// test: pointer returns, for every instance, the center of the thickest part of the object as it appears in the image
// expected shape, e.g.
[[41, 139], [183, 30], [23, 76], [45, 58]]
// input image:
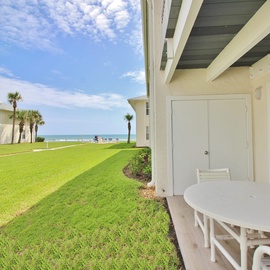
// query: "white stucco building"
[[6, 111], [208, 80], [141, 106], [5, 123]]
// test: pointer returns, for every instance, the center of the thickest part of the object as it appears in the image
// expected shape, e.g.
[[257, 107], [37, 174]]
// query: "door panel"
[[228, 136], [218, 126], [190, 141]]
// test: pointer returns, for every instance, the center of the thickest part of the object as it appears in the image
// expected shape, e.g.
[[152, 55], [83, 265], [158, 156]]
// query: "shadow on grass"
[[96, 221], [86, 202]]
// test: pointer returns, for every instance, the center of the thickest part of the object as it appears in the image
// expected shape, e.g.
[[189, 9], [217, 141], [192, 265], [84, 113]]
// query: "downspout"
[[151, 184], [147, 67], [152, 145]]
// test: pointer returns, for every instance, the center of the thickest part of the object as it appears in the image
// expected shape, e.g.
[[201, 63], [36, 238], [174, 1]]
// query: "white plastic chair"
[[259, 262], [213, 175], [206, 176]]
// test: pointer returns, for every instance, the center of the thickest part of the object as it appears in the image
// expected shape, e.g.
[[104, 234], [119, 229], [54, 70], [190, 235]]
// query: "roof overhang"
[[214, 34], [5, 107], [133, 101]]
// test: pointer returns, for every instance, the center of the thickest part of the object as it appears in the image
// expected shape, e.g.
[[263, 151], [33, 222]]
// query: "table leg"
[[206, 231], [243, 248], [195, 218], [212, 236]]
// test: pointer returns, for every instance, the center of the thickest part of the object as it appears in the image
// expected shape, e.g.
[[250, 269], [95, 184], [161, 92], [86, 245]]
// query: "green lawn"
[[73, 208], [29, 147]]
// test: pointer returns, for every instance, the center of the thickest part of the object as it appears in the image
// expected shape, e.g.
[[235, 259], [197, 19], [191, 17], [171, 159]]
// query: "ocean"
[[89, 138]]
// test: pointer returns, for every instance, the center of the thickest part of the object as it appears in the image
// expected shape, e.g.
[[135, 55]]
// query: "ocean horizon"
[[89, 137]]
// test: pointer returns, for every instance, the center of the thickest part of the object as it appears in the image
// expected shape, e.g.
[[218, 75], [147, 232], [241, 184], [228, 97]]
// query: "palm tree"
[[31, 118], [38, 122], [128, 117], [12, 99], [21, 116]]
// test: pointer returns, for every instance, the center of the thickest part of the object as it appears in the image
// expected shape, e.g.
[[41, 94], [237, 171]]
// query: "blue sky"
[[75, 61]]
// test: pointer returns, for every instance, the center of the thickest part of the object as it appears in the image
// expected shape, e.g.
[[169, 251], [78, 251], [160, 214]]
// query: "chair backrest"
[[260, 263], [213, 175]]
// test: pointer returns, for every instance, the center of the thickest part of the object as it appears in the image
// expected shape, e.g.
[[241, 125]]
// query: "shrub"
[[140, 164], [40, 139]]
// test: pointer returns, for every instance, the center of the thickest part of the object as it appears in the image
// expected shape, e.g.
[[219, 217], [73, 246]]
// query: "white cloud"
[[138, 76], [37, 24], [38, 94], [135, 40], [6, 71], [118, 9], [135, 34], [22, 23], [135, 5]]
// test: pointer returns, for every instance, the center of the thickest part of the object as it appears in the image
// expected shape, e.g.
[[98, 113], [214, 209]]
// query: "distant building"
[[141, 107], [6, 111]]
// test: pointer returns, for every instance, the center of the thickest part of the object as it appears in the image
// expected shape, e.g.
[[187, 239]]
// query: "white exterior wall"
[[261, 128], [185, 83], [6, 129], [142, 121], [188, 83], [193, 82]]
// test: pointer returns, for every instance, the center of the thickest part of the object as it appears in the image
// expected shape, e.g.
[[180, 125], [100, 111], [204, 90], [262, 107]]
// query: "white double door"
[[209, 133]]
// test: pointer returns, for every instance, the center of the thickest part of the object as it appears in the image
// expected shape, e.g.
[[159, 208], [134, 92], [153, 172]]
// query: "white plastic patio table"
[[241, 203]]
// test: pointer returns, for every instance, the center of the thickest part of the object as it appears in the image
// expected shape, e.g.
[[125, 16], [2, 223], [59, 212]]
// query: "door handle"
[[206, 152]]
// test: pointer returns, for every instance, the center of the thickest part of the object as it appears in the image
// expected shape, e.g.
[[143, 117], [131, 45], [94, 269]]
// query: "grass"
[[8, 149], [73, 208]]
